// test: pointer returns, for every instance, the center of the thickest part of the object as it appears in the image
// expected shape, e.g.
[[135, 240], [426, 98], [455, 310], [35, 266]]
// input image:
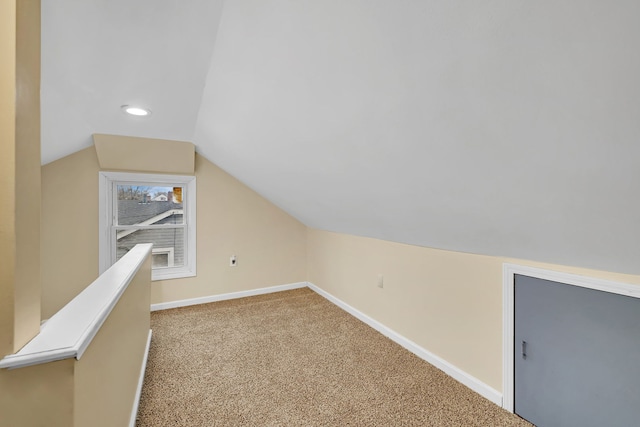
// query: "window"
[[145, 208], [162, 257]]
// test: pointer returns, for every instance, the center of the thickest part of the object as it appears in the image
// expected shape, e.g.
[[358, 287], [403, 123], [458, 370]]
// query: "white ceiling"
[[100, 54], [498, 127]]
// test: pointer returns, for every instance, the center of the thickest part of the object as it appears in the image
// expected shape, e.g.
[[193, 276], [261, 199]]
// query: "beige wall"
[[106, 376], [19, 173], [598, 274], [7, 172], [40, 395], [97, 390], [449, 303], [118, 152], [232, 220], [69, 244], [270, 245]]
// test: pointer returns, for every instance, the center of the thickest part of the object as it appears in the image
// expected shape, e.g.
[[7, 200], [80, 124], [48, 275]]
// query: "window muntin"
[[144, 208], [162, 257], [167, 238]]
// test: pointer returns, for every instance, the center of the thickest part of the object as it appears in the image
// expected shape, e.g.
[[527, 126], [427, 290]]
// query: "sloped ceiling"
[[98, 55], [496, 127]]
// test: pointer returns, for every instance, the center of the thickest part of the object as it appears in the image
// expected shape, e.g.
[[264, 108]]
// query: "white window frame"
[[107, 194], [169, 252]]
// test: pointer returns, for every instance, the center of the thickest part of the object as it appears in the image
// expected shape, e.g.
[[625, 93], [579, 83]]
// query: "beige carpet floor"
[[294, 359]]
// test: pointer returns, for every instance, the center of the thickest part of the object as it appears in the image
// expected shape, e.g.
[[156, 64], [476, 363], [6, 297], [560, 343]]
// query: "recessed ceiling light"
[[135, 111]]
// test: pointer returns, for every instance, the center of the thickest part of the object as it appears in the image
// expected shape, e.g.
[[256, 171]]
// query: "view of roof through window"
[[155, 208], [143, 204]]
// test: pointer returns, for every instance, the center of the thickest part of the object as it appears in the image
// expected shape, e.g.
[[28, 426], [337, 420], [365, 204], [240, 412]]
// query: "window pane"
[[168, 245], [160, 260], [149, 205]]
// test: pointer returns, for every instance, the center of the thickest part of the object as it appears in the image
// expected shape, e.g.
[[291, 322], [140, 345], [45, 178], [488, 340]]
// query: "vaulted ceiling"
[[496, 127]]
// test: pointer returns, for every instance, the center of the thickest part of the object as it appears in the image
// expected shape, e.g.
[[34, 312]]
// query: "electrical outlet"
[[233, 261], [380, 281]]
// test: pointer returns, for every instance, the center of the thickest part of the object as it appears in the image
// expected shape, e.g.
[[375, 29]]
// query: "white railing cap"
[[69, 332]]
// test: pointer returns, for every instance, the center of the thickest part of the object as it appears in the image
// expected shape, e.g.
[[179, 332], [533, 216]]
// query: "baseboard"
[[223, 297], [136, 402], [468, 380]]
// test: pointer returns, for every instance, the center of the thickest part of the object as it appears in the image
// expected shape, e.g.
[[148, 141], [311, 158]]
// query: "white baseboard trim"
[[223, 297], [136, 402], [468, 380]]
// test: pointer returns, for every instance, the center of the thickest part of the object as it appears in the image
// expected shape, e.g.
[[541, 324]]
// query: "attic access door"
[[576, 355]]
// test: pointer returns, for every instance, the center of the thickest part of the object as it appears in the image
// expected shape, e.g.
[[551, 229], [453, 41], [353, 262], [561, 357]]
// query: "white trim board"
[[163, 215], [453, 371], [143, 368], [508, 315], [224, 297]]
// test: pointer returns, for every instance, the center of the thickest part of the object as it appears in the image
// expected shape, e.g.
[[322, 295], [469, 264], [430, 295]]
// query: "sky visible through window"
[[139, 192], [147, 193]]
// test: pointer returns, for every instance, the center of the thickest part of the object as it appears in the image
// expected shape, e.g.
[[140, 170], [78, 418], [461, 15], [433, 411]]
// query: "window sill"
[[157, 276]]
